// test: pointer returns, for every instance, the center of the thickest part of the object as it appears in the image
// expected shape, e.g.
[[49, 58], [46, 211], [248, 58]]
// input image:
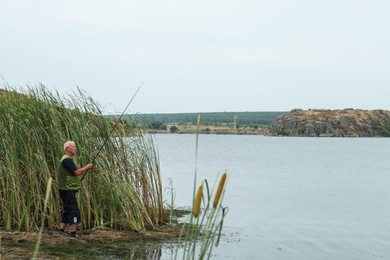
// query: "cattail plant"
[[124, 189], [219, 190], [203, 228], [198, 199]]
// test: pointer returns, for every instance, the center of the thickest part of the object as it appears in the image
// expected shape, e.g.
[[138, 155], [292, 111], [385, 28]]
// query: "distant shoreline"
[[212, 130]]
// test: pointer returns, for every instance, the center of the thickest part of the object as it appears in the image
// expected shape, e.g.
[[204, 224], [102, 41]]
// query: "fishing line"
[[113, 128]]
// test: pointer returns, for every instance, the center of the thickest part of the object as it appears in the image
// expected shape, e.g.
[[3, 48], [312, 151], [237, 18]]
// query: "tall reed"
[[202, 228], [123, 190], [37, 244]]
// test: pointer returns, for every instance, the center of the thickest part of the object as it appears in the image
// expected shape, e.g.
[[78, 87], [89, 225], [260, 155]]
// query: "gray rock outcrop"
[[332, 123]]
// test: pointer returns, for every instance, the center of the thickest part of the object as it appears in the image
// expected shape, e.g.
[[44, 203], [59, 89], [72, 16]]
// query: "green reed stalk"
[[124, 189], [47, 197], [203, 227], [172, 197]]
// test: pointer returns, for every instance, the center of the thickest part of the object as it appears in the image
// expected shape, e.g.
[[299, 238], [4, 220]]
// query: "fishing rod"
[[112, 130]]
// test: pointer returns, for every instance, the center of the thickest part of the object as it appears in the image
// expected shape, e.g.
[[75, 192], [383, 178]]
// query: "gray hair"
[[67, 144]]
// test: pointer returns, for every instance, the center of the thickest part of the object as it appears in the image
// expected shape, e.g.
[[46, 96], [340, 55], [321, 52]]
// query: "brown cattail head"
[[198, 200], [219, 190]]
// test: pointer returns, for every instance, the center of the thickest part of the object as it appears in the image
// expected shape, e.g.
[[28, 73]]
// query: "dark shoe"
[[73, 234]]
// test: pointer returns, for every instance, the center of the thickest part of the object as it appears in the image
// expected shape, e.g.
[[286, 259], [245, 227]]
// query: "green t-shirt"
[[66, 179]]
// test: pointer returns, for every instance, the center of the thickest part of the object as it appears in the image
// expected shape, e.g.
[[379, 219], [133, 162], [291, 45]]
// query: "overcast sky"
[[202, 56]]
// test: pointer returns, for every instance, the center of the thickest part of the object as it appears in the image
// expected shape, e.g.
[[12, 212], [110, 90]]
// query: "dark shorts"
[[71, 212]]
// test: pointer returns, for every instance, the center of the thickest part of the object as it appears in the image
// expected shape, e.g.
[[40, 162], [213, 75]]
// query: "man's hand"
[[89, 166], [83, 170]]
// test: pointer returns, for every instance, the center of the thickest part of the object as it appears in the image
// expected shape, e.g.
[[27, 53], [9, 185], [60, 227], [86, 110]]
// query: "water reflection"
[[133, 250]]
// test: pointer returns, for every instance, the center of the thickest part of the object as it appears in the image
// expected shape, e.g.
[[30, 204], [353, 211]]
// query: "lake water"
[[289, 198]]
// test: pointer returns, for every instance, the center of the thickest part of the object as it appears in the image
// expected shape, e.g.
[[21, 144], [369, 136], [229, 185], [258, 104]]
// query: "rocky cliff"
[[333, 123]]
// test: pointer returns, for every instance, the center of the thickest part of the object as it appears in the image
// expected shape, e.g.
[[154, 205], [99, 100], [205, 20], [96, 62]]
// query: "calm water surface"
[[289, 198]]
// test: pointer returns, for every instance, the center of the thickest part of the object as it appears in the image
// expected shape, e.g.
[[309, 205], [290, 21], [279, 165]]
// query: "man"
[[69, 182]]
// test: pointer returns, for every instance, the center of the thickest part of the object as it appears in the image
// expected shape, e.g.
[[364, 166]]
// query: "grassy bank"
[[122, 193]]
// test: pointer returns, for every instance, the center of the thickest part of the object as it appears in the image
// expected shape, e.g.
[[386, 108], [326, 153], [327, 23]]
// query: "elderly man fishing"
[[69, 182]]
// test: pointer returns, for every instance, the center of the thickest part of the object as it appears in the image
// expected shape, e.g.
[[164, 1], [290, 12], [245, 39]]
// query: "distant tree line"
[[160, 121]]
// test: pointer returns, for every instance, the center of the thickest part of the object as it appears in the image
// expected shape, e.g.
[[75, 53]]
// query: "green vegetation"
[[382, 130], [249, 119], [203, 229], [173, 129], [203, 226], [283, 132], [47, 196], [123, 191]]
